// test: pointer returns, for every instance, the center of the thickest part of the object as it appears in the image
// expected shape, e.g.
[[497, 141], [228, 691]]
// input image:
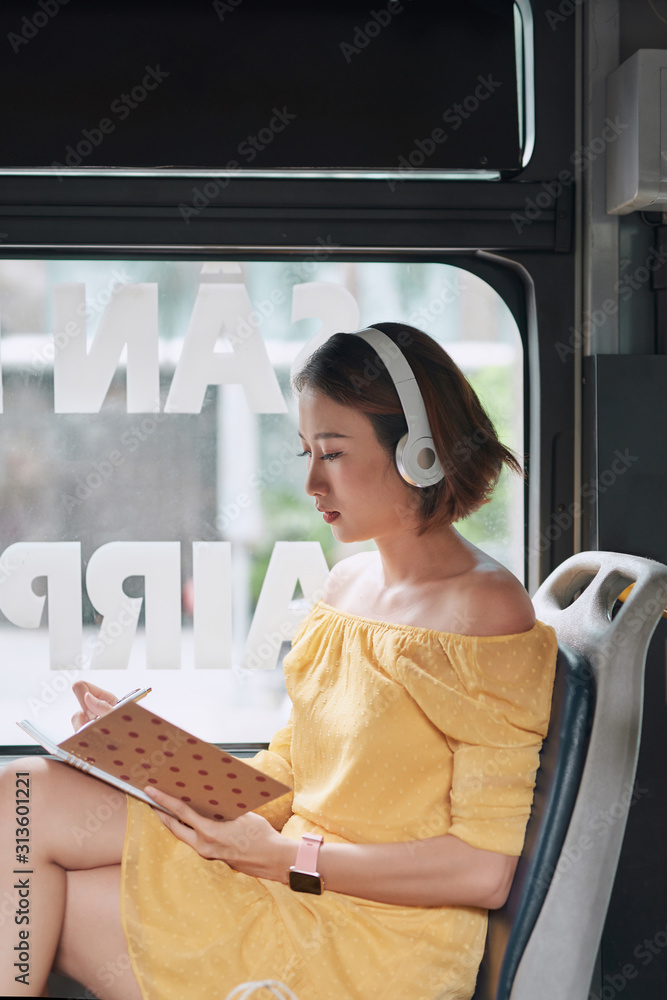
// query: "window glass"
[[154, 529]]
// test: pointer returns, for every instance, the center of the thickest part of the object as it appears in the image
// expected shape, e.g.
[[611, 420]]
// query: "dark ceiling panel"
[[259, 84]]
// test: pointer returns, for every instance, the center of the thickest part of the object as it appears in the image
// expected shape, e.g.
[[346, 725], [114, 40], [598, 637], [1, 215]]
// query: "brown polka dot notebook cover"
[[132, 747]]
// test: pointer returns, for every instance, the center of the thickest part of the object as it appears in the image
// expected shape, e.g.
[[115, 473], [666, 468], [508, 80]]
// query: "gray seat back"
[[561, 765], [578, 600]]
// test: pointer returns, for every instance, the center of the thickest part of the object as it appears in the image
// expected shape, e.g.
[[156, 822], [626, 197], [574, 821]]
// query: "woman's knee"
[[34, 780], [19, 777], [35, 785], [78, 821]]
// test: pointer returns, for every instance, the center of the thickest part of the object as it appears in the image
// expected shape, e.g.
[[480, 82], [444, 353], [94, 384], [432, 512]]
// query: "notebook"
[[132, 748]]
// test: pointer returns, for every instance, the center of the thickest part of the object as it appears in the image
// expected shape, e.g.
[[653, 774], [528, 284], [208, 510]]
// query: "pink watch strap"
[[307, 854]]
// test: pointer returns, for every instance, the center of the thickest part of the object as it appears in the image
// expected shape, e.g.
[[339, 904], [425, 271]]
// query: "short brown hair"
[[346, 369]]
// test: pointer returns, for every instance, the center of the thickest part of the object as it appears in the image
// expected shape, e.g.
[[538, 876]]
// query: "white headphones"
[[416, 458]]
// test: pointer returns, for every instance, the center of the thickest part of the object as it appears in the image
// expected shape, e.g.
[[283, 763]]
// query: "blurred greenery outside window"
[[114, 476]]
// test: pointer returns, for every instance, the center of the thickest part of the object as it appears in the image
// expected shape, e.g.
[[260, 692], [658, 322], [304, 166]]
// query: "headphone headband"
[[416, 456]]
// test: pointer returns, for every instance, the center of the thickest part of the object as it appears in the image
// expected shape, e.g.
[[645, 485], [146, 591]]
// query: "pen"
[[135, 695]]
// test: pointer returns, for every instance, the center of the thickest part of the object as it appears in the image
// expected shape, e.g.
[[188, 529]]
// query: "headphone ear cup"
[[409, 468], [400, 447]]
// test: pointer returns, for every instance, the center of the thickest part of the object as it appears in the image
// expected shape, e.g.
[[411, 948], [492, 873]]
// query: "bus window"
[[154, 529]]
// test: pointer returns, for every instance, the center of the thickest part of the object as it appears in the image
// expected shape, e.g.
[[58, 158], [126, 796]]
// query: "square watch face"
[[305, 882]]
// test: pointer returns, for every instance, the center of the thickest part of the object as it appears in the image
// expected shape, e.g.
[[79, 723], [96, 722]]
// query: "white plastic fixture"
[[637, 147]]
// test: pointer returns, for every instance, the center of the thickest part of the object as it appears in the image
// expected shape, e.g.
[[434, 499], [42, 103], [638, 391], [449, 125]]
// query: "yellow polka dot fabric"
[[397, 733]]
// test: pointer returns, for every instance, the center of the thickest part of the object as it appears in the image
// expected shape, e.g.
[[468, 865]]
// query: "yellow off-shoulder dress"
[[398, 733]]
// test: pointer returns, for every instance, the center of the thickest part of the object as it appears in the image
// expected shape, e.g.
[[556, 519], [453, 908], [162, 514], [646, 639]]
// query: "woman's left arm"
[[438, 871]]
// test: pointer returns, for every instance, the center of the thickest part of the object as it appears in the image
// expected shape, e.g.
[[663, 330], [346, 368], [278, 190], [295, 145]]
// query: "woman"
[[421, 687]]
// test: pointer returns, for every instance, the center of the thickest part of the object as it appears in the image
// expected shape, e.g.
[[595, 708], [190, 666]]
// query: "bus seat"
[[544, 941]]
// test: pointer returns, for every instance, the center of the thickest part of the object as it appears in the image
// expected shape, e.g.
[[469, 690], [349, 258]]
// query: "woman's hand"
[[249, 844], [94, 701]]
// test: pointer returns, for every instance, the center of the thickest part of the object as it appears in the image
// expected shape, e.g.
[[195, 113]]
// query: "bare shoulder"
[[344, 574], [483, 598], [491, 601]]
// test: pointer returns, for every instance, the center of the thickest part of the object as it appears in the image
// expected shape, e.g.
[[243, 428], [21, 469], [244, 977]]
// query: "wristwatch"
[[303, 875]]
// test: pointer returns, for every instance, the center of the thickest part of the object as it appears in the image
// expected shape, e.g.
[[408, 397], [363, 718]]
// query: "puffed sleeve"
[[277, 760], [491, 697], [277, 763], [491, 796]]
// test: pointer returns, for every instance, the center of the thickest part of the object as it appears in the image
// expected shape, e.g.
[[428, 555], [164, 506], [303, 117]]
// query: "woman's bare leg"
[[102, 964], [76, 823]]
